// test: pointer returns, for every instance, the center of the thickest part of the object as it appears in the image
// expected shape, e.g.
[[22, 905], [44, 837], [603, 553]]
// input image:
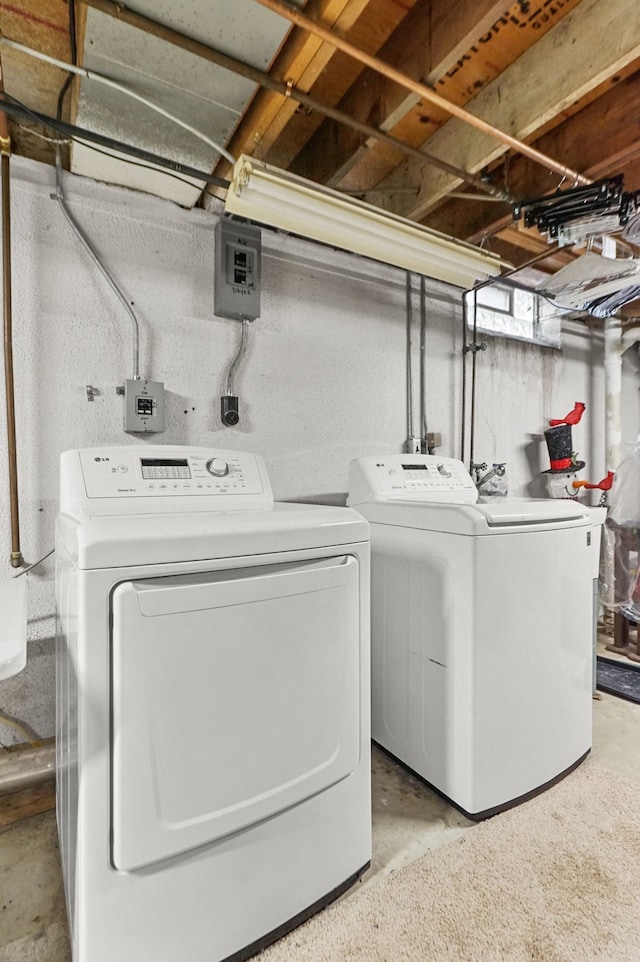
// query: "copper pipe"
[[306, 23], [5, 148], [119, 12]]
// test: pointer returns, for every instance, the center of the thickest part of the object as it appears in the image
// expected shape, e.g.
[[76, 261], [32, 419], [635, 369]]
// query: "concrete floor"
[[408, 821]]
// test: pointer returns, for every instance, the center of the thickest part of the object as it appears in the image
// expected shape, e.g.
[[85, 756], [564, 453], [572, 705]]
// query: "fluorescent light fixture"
[[265, 194]]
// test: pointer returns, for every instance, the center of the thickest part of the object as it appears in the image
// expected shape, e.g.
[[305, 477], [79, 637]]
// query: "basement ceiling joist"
[[558, 74], [458, 56], [558, 70]]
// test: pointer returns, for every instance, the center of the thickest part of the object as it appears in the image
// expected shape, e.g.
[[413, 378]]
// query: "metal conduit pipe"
[[463, 403], [27, 767], [59, 196], [409, 316], [474, 354], [236, 360], [119, 12], [306, 23], [5, 148], [424, 429]]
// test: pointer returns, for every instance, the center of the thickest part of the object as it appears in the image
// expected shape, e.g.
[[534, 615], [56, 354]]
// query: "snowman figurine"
[[562, 474]]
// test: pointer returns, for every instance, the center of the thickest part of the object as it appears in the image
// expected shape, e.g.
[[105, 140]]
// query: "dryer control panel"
[[161, 478], [410, 477]]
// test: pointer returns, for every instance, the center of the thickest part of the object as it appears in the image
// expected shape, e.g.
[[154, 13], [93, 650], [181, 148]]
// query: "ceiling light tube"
[[270, 196]]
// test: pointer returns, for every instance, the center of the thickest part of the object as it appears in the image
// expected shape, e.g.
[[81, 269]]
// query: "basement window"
[[507, 311]]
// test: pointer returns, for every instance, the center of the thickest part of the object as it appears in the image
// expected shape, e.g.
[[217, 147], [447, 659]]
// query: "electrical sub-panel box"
[[236, 291], [143, 406]]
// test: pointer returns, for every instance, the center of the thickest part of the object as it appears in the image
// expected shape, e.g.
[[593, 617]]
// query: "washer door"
[[235, 695]]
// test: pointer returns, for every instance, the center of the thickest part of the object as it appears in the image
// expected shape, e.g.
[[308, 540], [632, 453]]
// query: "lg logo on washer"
[[101, 459]]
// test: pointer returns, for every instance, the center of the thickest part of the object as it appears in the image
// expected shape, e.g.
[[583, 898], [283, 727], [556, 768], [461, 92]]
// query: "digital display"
[[165, 469], [414, 467]]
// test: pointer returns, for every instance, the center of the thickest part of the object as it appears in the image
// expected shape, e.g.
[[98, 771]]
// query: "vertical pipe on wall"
[[616, 343], [474, 353], [5, 149], [60, 198], [237, 358], [424, 427], [613, 392], [463, 405], [409, 312]]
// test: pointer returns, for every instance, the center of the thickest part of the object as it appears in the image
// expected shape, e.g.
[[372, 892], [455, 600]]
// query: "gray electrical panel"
[[236, 291], [143, 406]]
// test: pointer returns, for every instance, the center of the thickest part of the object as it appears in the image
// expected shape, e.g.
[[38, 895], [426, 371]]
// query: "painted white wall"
[[323, 379]]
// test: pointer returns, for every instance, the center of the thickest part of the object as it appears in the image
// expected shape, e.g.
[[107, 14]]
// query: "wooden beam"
[[515, 30], [562, 67], [603, 137], [425, 46], [369, 32], [30, 801], [42, 24], [301, 60], [489, 55]]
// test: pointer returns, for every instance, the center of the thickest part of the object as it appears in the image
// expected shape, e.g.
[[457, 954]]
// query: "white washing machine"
[[213, 704], [481, 630]]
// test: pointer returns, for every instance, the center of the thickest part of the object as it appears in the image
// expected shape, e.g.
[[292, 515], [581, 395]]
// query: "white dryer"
[[213, 704], [481, 630]]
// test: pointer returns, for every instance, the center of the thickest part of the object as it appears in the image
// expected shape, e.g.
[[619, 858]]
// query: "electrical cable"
[[105, 153], [135, 163], [74, 57], [15, 108], [59, 196], [236, 360], [114, 85], [34, 565]]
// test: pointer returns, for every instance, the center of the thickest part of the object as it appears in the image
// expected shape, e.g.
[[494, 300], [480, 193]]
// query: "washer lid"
[[505, 516], [122, 541]]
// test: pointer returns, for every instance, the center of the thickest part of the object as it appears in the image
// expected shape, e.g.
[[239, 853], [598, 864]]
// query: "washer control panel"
[[142, 475], [410, 477]]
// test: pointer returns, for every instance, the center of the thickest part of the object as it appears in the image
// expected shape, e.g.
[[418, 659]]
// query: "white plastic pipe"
[[613, 392], [615, 344]]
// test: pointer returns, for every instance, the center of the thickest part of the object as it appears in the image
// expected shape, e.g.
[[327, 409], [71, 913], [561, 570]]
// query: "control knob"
[[217, 467]]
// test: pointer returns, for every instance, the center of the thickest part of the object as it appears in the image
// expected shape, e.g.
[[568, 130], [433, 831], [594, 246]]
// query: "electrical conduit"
[[238, 357], [59, 196]]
